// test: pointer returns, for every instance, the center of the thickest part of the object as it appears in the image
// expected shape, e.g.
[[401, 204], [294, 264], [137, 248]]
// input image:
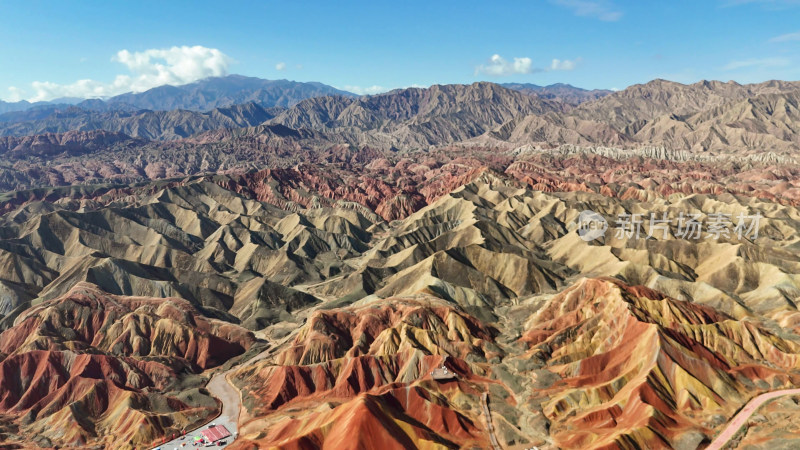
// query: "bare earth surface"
[[743, 415], [221, 389], [366, 242]]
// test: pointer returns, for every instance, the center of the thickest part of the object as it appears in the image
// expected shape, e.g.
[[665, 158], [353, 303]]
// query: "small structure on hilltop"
[[443, 373]]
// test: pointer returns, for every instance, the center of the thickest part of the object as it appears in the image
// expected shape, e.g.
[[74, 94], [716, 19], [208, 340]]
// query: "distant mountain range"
[[220, 92], [168, 112], [143, 123], [416, 117], [203, 95], [289, 257], [24, 105], [710, 117], [562, 92]]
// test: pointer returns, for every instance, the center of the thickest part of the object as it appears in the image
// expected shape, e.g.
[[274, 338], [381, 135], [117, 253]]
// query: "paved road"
[[742, 416], [221, 389], [489, 424]]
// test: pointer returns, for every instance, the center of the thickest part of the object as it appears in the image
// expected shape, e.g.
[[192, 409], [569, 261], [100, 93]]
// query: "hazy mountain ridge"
[[225, 91], [145, 124], [203, 95], [692, 117], [560, 92], [24, 105]]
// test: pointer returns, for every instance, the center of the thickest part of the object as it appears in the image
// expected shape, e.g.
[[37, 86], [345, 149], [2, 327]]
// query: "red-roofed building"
[[215, 433]]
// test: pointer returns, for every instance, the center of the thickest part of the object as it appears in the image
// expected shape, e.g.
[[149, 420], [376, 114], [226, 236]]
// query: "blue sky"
[[373, 46]]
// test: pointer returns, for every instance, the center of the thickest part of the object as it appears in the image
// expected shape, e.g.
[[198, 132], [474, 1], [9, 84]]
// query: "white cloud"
[[599, 9], [759, 63], [358, 90], [787, 37], [280, 66], [500, 67], [148, 69], [372, 90], [14, 95], [566, 64]]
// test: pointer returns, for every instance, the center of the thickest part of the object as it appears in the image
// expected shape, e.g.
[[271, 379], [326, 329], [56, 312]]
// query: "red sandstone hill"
[[305, 184], [358, 310], [92, 368], [368, 369], [89, 319], [639, 368], [602, 365]]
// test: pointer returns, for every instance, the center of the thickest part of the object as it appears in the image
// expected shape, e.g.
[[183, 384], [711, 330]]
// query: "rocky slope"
[[71, 143], [766, 122], [337, 258], [636, 367], [415, 117], [89, 368], [727, 121], [359, 308], [644, 102], [369, 367]]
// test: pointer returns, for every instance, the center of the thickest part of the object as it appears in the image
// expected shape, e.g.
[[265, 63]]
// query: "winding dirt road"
[[742, 416], [489, 425], [220, 388]]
